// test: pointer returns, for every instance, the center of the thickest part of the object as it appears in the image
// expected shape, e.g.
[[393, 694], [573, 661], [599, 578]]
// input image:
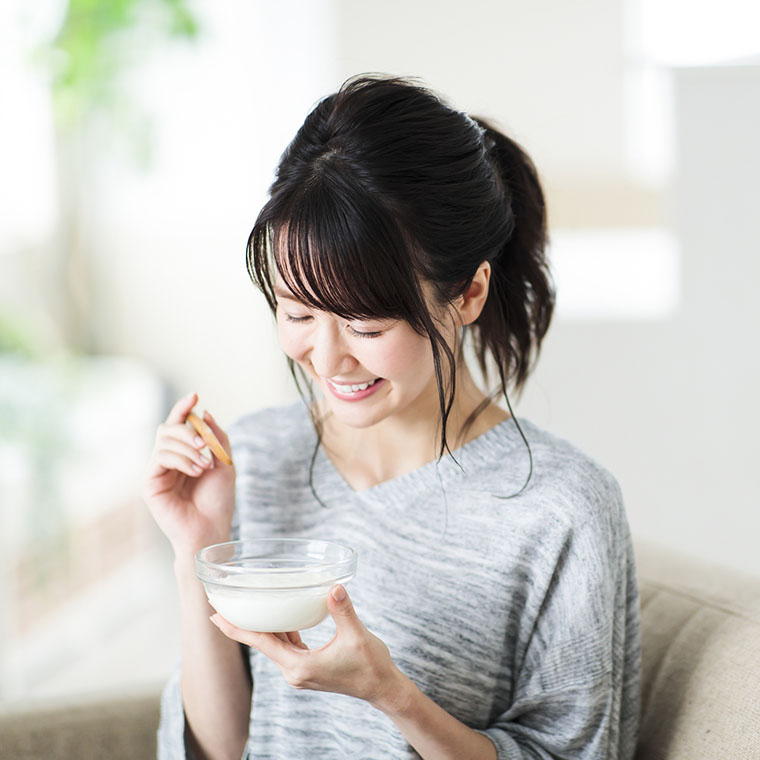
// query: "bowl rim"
[[345, 568]]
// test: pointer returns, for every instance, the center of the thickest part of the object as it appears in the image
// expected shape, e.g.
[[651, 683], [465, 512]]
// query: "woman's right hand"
[[191, 497]]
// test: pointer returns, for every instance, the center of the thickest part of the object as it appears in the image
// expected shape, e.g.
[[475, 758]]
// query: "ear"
[[471, 302]]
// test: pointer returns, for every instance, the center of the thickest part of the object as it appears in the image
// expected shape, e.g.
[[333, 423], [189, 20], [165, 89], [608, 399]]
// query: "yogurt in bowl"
[[273, 584]]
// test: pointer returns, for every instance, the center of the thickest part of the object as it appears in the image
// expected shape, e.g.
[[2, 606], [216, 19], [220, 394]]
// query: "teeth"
[[351, 388]]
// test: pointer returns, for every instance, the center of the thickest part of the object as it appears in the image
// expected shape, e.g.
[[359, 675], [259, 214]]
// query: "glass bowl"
[[273, 584]]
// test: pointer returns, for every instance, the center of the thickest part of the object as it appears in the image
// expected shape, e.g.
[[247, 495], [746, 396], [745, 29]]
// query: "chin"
[[357, 419]]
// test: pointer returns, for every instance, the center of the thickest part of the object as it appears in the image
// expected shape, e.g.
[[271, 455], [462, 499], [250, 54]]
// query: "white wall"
[[552, 72], [671, 407]]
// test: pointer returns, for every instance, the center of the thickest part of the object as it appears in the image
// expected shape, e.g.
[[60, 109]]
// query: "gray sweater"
[[517, 616]]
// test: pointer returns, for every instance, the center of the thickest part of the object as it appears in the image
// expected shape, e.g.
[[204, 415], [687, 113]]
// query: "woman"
[[494, 614]]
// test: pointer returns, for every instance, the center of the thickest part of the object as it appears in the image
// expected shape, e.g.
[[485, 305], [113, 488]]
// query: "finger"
[[294, 637], [178, 432], [165, 444], [342, 611], [277, 650], [171, 460], [180, 410], [190, 452]]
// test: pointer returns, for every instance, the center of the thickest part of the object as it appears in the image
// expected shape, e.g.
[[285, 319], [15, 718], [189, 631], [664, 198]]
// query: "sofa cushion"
[[701, 659]]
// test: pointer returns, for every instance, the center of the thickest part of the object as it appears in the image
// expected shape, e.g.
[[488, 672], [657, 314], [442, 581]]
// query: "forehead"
[[281, 290], [316, 274]]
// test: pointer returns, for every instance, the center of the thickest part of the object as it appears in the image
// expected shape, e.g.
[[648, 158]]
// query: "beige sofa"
[[701, 696], [701, 659]]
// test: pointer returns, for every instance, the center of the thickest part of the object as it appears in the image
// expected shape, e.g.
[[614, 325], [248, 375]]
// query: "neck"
[[403, 443]]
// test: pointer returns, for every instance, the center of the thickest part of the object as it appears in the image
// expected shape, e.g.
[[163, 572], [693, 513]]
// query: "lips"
[[352, 387], [354, 391]]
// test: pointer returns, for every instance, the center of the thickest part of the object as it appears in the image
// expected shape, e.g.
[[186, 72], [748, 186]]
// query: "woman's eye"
[[294, 318], [364, 333]]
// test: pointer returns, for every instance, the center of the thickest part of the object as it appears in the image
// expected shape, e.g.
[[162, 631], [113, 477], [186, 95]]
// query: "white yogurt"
[[271, 602]]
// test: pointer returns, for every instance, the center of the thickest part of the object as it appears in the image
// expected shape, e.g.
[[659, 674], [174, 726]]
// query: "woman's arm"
[[434, 733], [192, 499], [215, 682]]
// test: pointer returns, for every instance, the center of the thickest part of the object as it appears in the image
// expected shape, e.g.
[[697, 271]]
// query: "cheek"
[[292, 342], [409, 356]]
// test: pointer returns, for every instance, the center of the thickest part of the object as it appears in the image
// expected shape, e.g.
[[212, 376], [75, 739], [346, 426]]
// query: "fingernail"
[[339, 593], [198, 441], [213, 620], [205, 459]]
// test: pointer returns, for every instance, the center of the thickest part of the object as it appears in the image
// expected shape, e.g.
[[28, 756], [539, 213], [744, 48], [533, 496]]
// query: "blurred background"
[[137, 143]]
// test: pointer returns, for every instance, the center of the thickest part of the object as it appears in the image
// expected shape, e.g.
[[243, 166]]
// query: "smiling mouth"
[[354, 387]]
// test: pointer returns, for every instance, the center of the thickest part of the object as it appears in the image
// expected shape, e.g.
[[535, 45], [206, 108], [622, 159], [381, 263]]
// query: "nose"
[[329, 355]]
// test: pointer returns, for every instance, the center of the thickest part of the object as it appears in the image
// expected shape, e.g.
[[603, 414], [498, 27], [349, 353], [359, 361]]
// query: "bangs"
[[338, 250]]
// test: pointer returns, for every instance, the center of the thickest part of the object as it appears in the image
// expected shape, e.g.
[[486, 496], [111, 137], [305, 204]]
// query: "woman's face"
[[367, 370]]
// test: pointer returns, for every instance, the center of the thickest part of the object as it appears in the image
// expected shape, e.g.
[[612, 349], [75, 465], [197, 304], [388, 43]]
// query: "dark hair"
[[385, 187]]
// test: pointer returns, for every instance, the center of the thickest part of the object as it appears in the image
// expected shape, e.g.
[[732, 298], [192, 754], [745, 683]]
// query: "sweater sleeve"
[[171, 727], [580, 663]]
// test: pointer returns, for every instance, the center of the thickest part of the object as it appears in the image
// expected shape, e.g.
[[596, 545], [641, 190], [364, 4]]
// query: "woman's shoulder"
[[555, 459], [579, 492], [566, 482], [563, 462]]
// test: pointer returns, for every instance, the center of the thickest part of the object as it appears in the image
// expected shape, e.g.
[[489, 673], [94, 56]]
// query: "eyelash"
[[358, 334], [354, 332]]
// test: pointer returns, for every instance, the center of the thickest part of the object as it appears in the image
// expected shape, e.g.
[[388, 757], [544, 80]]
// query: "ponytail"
[[520, 303]]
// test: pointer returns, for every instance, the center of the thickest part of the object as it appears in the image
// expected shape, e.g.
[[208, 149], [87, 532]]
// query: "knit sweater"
[[518, 616]]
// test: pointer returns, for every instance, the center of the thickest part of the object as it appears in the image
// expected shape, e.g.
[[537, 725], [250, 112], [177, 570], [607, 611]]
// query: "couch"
[[701, 678], [701, 659]]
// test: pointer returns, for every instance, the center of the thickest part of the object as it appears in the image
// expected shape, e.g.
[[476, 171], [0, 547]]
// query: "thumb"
[[342, 611]]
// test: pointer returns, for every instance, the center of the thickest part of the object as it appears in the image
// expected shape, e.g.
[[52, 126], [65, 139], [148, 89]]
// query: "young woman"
[[494, 613]]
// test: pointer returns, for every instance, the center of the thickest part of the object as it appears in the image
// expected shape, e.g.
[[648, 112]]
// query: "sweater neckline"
[[489, 448]]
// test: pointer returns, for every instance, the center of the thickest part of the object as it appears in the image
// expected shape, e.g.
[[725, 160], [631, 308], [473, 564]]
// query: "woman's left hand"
[[354, 662]]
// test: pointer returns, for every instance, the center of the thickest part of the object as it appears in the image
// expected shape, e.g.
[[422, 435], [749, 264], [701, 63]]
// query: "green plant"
[[99, 44], [18, 336], [101, 39]]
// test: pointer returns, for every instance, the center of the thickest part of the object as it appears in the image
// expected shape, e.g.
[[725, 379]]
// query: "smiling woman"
[[495, 610]]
